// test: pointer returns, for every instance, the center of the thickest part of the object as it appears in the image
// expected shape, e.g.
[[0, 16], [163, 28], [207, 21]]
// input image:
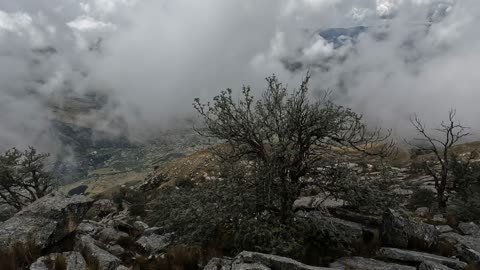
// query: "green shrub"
[[422, 197]]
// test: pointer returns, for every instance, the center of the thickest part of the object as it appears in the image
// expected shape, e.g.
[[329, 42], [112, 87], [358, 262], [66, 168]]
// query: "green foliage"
[[24, 177], [466, 198], [135, 198], [422, 197], [283, 135]]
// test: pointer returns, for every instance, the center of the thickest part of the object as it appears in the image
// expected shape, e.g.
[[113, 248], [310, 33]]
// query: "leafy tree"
[[285, 138], [440, 143], [23, 177]]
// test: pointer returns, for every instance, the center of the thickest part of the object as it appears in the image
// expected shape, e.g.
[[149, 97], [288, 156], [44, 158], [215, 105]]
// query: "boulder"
[[155, 243], [44, 222], [89, 227], [469, 228], [250, 266], [140, 226], [343, 231], [116, 250], [428, 265], [261, 261], [121, 267], [73, 260], [219, 264], [360, 263], [467, 247], [422, 211], [443, 228], [366, 220], [110, 235], [152, 230], [101, 208], [105, 260], [409, 256], [402, 232]]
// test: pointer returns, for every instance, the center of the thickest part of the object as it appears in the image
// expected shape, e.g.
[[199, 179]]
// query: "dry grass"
[[19, 256]]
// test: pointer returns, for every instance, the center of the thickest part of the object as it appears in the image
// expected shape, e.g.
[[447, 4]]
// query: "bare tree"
[[23, 177], [285, 135], [439, 142]]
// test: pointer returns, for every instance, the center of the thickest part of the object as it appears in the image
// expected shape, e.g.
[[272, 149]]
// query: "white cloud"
[[86, 24]]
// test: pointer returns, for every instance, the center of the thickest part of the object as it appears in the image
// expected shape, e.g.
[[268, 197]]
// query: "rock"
[[409, 256], [121, 267], [44, 222], [110, 235], [469, 228], [261, 261], [105, 260], [155, 243], [139, 225], [464, 245], [152, 230], [219, 264], [346, 232], [471, 256], [422, 211], [73, 260], [428, 265], [116, 250], [316, 202], [250, 266], [439, 219], [89, 227], [360, 263], [443, 228], [366, 220], [401, 232], [101, 208]]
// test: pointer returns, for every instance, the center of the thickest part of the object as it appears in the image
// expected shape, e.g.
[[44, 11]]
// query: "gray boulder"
[[105, 260], [409, 256], [139, 225], [110, 235], [469, 228], [44, 222], [267, 261], [155, 243], [219, 264], [401, 232], [89, 227], [428, 265], [101, 208], [443, 228], [467, 247], [360, 263], [74, 261], [346, 232]]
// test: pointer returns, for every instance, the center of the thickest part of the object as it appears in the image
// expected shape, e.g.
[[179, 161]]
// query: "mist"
[[152, 58]]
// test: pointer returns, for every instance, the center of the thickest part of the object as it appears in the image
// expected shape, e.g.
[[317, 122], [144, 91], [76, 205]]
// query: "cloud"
[[154, 57]]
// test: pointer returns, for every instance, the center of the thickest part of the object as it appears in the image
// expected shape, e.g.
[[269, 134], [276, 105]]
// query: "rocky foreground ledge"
[[115, 242]]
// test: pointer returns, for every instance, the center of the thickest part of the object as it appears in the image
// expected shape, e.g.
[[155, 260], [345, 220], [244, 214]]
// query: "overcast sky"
[[155, 56]]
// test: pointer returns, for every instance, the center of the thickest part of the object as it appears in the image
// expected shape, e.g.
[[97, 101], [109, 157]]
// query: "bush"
[[422, 197], [466, 198]]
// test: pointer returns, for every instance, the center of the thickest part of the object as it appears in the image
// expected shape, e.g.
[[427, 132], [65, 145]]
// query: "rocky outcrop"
[[409, 256], [105, 260], [44, 222], [467, 247], [155, 243], [402, 232], [360, 263], [219, 264], [469, 228], [343, 231], [427, 265], [73, 261], [254, 260]]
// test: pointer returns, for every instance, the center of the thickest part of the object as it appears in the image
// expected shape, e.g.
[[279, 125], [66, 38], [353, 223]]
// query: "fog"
[[153, 58]]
